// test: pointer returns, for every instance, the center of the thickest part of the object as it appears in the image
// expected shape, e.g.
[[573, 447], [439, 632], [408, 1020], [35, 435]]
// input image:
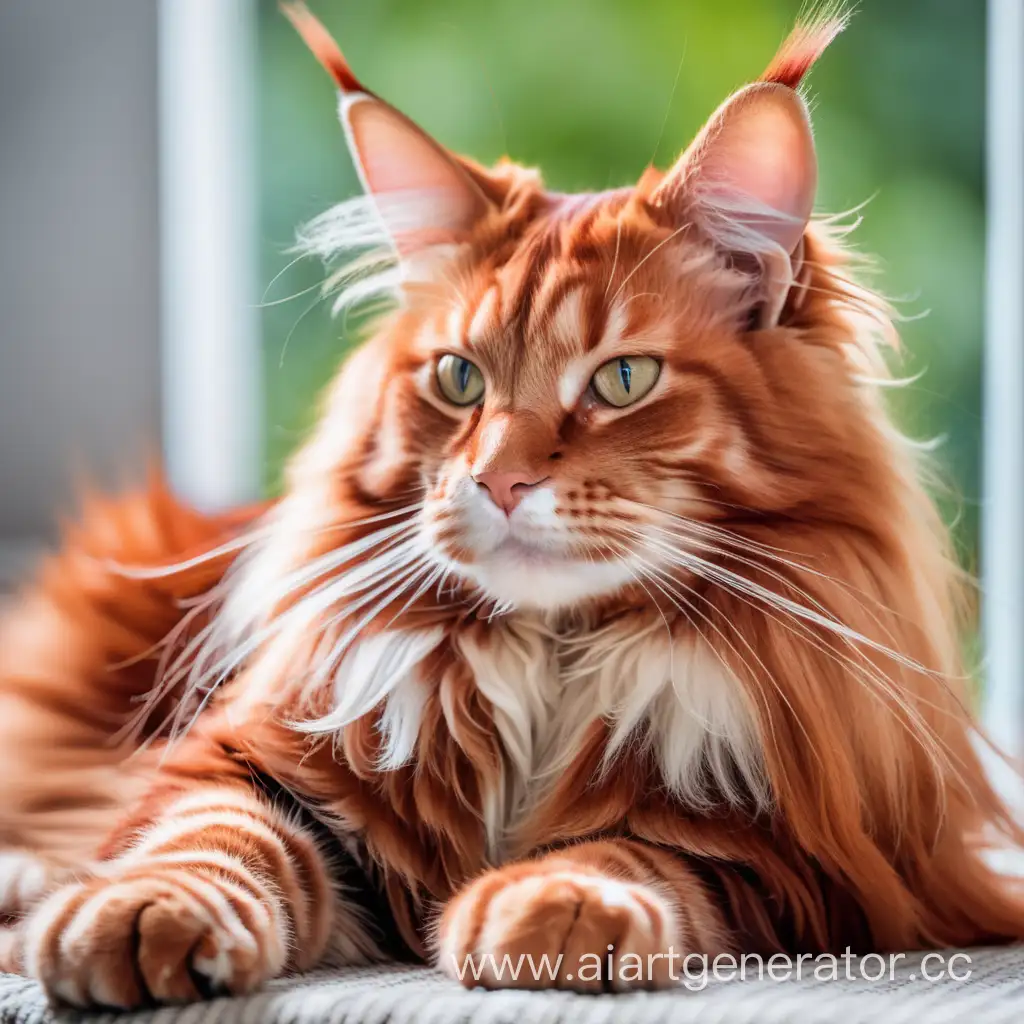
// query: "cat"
[[604, 610]]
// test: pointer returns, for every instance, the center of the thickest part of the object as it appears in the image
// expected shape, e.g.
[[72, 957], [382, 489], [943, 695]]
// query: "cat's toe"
[[559, 929], [132, 942]]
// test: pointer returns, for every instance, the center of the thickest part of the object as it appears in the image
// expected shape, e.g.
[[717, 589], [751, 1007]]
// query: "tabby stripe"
[[636, 869], [488, 891], [227, 832], [100, 970], [315, 881], [258, 921], [251, 834], [259, 909], [43, 937], [215, 798], [643, 867]]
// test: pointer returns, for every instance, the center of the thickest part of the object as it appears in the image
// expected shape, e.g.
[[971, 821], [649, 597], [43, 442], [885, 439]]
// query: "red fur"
[[850, 810], [324, 48], [804, 45], [78, 648]]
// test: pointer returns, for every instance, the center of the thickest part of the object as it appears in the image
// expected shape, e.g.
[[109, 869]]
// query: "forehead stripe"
[[455, 327], [484, 319]]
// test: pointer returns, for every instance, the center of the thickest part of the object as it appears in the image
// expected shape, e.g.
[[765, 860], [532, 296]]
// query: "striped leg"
[[220, 893], [611, 914]]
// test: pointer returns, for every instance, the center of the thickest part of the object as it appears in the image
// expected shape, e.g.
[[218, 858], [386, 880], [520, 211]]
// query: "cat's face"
[[569, 379], [567, 420], [561, 400]]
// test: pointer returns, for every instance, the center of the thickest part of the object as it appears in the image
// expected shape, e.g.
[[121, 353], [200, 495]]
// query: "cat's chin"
[[529, 577]]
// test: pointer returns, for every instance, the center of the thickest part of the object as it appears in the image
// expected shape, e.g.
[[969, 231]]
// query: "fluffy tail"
[[79, 648]]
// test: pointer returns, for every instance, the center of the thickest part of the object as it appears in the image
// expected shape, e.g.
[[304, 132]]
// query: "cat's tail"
[[79, 651]]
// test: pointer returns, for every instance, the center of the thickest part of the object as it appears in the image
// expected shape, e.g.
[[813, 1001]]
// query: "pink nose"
[[506, 490]]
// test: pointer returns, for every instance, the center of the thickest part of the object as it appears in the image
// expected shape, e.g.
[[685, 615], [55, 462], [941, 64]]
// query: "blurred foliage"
[[591, 91]]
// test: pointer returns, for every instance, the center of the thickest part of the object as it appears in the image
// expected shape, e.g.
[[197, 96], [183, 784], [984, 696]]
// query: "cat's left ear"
[[749, 178], [424, 196]]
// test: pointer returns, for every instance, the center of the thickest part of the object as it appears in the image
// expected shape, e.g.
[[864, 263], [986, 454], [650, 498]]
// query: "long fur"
[[722, 708]]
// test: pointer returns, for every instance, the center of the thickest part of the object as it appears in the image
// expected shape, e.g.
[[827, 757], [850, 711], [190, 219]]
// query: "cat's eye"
[[459, 380], [623, 381]]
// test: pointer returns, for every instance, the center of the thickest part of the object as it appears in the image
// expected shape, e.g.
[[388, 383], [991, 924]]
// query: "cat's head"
[[572, 384]]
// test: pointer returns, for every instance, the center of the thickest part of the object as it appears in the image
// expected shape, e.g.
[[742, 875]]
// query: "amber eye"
[[623, 381], [460, 381]]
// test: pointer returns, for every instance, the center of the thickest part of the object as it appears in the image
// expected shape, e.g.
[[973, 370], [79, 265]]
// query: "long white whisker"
[[735, 556], [332, 661], [321, 596], [714, 572], [687, 522], [217, 652], [865, 671], [140, 572], [746, 643], [224, 670], [405, 577], [688, 529], [244, 540]]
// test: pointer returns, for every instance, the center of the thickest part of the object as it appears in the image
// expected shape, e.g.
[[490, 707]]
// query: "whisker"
[[244, 540], [141, 572], [615, 258], [768, 675], [819, 614], [284, 270], [779, 578], [216, 653], [866, 671]]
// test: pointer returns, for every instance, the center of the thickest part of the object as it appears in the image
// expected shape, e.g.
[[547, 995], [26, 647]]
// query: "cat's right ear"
[[424, 196], [748, 180]]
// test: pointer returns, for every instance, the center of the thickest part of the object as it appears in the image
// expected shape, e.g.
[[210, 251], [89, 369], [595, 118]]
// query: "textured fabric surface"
[[391, 995]]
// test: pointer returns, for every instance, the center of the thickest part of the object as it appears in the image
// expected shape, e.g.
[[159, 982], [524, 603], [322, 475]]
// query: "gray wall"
[[79, 358]]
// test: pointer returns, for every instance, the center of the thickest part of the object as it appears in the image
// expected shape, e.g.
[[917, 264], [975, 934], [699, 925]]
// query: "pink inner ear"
[[393, 155], [754, 164], [767, 155]]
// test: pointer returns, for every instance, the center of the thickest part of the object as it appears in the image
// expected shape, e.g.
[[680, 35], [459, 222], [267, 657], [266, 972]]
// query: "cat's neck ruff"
[[547, 680]]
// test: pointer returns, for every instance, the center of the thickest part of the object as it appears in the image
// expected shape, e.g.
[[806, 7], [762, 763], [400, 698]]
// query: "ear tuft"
[[322, 44], [804, 45], [422, 193], [749, 178]]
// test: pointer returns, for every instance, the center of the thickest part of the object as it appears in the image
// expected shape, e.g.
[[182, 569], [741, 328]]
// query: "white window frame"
[[211, 357], [1002, 520]]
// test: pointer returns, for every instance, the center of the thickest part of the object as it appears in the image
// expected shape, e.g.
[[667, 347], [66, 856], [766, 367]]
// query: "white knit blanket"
[[994, 992]]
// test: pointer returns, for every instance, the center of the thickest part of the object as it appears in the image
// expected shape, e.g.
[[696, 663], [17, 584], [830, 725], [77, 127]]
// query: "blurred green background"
[[585, 90]]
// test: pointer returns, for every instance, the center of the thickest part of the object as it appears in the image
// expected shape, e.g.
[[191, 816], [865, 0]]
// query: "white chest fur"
[[547, 687]]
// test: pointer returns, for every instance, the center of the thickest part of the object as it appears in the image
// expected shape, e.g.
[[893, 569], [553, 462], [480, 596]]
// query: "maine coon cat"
[[604, 609]]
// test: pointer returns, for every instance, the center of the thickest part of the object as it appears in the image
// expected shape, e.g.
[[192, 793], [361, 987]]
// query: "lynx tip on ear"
[[805, 44], [322, 44]]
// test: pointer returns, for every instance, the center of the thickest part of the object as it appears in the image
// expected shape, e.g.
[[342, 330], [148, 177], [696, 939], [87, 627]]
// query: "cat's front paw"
[[543, 925], [159, 936]]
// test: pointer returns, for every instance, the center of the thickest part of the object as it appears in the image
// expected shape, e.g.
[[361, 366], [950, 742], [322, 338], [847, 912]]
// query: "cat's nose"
[[506, 490]]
